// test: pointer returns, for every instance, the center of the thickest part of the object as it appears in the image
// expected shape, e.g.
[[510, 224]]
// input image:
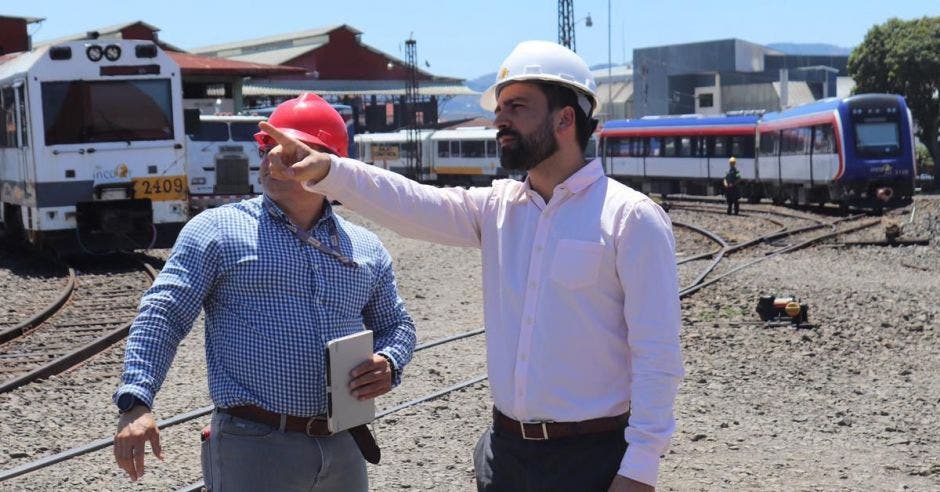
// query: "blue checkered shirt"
[[272, 303]]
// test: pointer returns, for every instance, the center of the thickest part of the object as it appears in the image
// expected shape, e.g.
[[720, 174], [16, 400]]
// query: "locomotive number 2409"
[[160, 188]]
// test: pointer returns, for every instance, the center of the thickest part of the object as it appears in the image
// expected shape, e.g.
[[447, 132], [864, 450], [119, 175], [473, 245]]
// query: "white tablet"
[[342, 355]]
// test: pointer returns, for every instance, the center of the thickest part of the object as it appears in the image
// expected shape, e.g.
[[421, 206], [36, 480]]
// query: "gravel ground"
[[847, 405]]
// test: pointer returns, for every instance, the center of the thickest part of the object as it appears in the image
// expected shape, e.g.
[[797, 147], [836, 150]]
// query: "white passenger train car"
[[92, 147]]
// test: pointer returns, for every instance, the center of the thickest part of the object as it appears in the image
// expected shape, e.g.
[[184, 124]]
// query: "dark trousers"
[[731, 195], [505, 462]]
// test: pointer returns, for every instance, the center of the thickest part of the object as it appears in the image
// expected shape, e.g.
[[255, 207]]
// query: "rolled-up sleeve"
[[646, 264]]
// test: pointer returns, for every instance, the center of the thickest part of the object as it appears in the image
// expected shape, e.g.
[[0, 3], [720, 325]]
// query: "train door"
[[825, 160], [19, 190], [720, 151]]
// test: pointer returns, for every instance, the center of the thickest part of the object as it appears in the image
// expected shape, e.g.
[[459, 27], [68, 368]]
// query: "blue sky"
[[468, 38]]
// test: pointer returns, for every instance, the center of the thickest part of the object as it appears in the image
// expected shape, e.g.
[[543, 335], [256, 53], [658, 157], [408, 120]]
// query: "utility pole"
[[411, 110], [566, 23]]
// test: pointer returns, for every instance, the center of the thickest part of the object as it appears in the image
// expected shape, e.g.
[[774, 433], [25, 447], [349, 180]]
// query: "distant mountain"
[[811, 49], [462, 107], [482, 82]]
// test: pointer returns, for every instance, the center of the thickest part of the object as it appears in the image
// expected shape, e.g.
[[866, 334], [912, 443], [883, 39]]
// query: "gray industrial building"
[[713, 77]]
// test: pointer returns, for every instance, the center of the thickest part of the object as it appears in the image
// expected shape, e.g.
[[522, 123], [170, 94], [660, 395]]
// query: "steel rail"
[[44, 314], [78, 355]]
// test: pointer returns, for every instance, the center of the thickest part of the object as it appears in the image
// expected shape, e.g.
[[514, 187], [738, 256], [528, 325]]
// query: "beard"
[[527, 151]]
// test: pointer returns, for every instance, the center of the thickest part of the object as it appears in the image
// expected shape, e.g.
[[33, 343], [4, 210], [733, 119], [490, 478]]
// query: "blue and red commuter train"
[[855, 152]]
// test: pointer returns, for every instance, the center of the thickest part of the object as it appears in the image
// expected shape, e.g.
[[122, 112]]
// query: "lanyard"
[[305, 236]]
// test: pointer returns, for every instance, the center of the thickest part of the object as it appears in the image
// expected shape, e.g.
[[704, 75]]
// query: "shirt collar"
[[581, 179], [327, 213], [584, 177]]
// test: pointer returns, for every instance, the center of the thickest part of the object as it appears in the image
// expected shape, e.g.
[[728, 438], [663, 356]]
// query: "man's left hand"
[[624, 484], [371, 378]]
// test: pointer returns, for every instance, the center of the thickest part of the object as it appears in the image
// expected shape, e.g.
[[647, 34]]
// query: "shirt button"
[[530, 320], [538, 247], [522, 357]]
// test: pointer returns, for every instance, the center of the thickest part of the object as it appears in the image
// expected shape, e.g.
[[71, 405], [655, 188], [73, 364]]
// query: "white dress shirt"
[[580, 295]]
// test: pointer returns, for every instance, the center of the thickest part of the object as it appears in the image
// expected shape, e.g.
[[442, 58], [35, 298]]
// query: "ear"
[[565, 119]]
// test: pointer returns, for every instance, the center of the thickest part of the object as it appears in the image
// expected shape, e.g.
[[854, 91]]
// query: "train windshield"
[[81, 111], [211, 131], [878, 138], [244, 132]]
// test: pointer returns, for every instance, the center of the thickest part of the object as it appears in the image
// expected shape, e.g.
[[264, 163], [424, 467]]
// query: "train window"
[[685, 146], [768, 143], [454, 148], [211, 131], [244, 131], [24, 127], [618, 147], [656, 146], [472, 149], [82, 111], [823, 140], [637, 147], [877, 137], [443, 149], [742, 146], [789, 141], [669, 147], [806, 140], [720, 147], [698, 146], [491, 148], [8, 112], [407, 149]]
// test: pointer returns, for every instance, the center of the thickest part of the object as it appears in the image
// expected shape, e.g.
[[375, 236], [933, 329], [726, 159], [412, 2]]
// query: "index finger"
[[283, 139]]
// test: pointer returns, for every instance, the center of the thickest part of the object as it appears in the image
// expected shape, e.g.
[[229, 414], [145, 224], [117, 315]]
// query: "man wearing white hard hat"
[[581, 302]]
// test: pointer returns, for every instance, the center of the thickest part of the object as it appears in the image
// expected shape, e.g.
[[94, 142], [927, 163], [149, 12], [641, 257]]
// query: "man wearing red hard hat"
[[580, 289], [278, 276]]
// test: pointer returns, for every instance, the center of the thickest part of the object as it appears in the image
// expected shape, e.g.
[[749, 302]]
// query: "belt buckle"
[[534, 438], [310, 422]]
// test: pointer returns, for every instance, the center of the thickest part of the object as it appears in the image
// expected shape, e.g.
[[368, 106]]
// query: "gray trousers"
[[506, 462], [241, 455]]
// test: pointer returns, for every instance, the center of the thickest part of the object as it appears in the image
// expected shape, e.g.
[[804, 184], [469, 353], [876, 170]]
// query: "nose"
[[501, 121]]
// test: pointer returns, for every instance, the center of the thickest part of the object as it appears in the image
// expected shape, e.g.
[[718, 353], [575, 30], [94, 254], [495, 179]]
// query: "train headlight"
[[112, 52], [199, 181], [793, 309], [94, 52]]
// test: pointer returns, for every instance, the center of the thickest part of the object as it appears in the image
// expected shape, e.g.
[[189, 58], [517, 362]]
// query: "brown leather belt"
[[540, 431], [315, 426], [312, 426]]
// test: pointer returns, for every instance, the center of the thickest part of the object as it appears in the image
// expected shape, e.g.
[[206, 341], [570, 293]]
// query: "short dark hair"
[[560, 96]]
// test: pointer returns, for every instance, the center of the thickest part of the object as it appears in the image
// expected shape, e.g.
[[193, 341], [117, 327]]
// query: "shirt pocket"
[[576, 264]]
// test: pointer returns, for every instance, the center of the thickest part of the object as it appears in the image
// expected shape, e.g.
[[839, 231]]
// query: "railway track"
[[92, 312], [715, 255]]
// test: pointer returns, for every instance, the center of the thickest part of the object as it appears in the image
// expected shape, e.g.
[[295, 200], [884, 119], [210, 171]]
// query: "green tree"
[[903, 57]]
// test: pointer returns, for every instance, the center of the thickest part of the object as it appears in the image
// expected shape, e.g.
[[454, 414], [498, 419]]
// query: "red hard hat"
[[311, 120]]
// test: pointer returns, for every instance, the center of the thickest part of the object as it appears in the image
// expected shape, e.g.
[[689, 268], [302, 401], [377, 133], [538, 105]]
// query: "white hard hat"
[[547, 62]]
